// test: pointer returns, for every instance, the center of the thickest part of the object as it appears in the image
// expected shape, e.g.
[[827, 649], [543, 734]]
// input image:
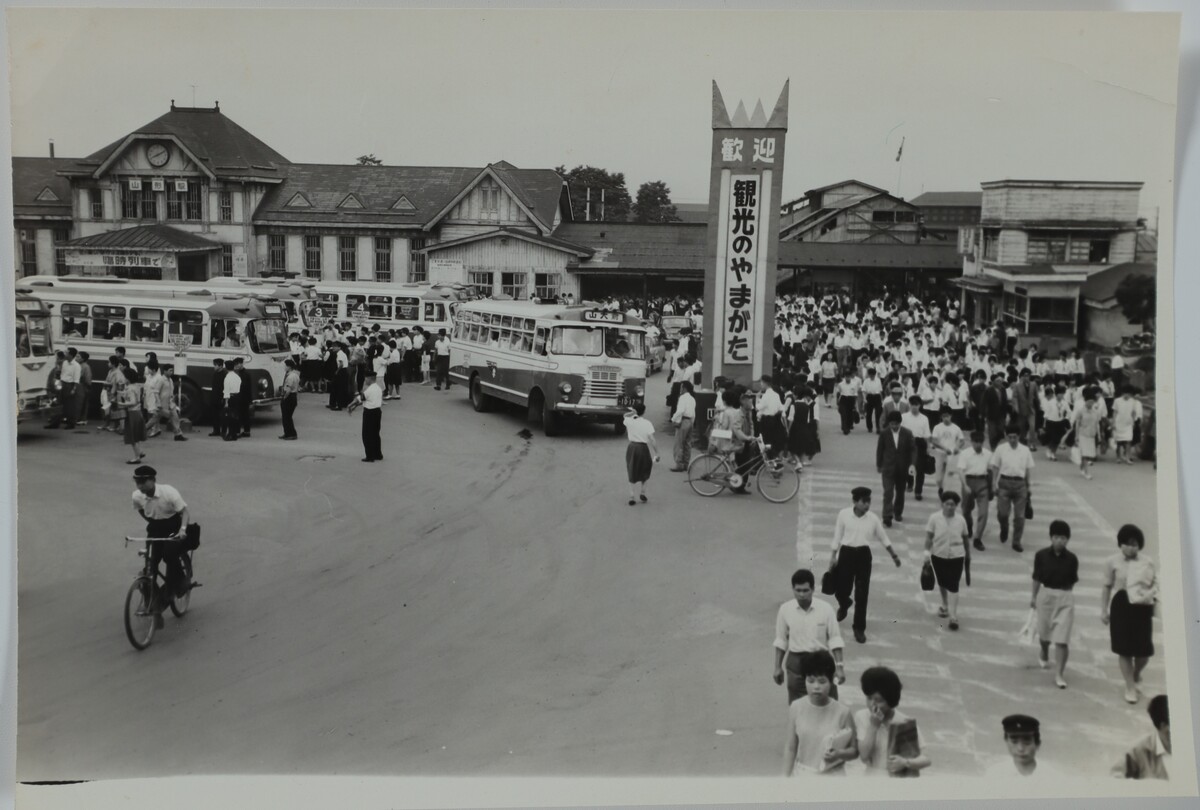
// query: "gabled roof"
[[526, 236], [538, 192], [325, 186], [843, 183], [146, 237], [831, 209], [31, 176], [639, 246], [221, 146], [950, 199]]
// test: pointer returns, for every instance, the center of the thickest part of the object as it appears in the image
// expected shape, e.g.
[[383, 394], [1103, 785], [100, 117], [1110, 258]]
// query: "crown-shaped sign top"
[[759, 120]]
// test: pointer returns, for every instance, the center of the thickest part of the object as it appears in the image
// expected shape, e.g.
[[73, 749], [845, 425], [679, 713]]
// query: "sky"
[[976, 97]]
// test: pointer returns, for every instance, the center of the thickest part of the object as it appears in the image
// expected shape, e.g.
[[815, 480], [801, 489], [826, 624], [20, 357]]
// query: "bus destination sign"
[[602, 316]]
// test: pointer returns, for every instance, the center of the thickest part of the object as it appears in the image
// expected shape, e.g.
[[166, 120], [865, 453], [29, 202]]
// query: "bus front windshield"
[[592, 341], [268, 335], [33, 333]]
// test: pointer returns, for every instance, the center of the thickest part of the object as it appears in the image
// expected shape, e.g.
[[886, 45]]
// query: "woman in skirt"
[[829, 376], [640, 453], [1055, 573], [1087, 433], [135, 421], [947, 547], [1127, 606], [803, 441]]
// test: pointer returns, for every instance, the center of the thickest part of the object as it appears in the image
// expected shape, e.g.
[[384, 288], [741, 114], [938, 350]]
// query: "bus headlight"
[[640, 391], [262, 384], [565, 387]]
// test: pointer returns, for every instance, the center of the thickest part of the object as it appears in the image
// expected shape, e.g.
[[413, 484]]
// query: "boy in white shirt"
[[947, 440]]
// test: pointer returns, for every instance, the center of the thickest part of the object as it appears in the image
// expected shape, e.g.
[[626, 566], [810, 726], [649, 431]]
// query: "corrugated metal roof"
[[949, 199], [31, 175], [146, 237], [639, 246]]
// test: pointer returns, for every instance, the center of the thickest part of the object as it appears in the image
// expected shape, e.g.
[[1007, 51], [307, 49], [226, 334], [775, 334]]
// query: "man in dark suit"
[[995, 410], [244, 398], [893, 455], [1024, 397], [216, 396]]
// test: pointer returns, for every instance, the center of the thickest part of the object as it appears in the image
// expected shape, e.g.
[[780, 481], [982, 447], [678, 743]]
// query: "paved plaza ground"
[[486, 604]]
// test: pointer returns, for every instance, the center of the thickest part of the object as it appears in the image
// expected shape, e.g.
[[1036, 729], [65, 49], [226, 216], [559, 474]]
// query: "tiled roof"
[[378, 188], [839, 254], [225, 148], [950, 199], [31, 176], [541, 190], [637, 246], [1103, 285], [692, 212], [146, 237]]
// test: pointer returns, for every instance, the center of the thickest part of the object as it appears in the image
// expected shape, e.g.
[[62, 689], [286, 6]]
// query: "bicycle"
[[142, 594], [712, 473]]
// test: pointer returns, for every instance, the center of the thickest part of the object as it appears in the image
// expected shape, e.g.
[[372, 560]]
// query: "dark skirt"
[[135, 426], [803, 439], [773, 433], [638, 462], [1130, 627], [392, 374], [828, 384], [1054, 433], [311, 371], [947, 571]]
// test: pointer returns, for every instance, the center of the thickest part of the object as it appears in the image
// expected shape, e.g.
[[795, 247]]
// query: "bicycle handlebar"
[[129, 540]]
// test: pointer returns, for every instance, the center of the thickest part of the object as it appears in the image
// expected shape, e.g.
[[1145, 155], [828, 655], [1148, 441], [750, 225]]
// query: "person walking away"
[[769, 409], [872, 391], [683, 419], [803, 439], [441, 350], [1023, 736], [1087, 433], [1011, 463], [975, 473], [947, 441], [358, 364], [135, 421], [918, 425], [114, 383], [168, 406], [371, 399], [947, 550], [821, 734], [68, 377], [289, 392], [804, 626], [893, 455], [889, 741], [850, 558], [1150, 757], [1127, 603], [1126, 419], [231, 405], [1055, 572], [216, 397], [640, 453]]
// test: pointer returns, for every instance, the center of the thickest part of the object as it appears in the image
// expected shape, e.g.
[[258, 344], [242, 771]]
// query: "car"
[[672, 325], [656, 352]]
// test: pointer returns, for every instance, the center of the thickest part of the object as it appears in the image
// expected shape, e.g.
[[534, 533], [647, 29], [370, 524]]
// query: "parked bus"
[[392, 306], [553, 359], [299, 296], [97, 318], [35, 358]]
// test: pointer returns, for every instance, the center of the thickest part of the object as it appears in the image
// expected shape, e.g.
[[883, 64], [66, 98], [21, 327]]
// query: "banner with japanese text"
[[740, 265]]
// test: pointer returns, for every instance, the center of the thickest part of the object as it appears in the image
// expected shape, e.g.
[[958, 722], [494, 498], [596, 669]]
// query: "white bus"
[[97, 318], [392, 306], [299, 296], [553, 359], [35, 358]]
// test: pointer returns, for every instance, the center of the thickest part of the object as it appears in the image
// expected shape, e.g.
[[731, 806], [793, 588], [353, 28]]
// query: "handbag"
[[829, 582], [927, 578], [904, 742], [1029, 507], [928, 464], [191, 540]]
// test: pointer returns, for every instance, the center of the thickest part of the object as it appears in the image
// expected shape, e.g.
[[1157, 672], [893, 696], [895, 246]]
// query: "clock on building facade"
[[158, 154]]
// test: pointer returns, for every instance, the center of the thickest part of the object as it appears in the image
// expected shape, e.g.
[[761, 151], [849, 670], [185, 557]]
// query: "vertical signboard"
[[744, 199]]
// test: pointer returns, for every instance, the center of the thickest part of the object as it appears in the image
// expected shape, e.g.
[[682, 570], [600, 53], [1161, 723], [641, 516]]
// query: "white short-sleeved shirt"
[[372, 396], [948, 436], [972, 463], [917, 423], [638, 429], [1012, 461], [233, 383], [947, 535], [164, 503]]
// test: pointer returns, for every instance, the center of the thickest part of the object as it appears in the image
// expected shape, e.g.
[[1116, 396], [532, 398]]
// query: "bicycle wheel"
[[707, 475], [777, 482], [139, 619], [179, 604]]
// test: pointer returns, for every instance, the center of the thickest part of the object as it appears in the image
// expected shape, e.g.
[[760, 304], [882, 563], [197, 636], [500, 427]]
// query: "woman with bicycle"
[[729, 437]]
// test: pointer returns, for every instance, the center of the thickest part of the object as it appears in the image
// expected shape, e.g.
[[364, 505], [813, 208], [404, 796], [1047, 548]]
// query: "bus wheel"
[[191, 404], [480, 401], [550, 419]]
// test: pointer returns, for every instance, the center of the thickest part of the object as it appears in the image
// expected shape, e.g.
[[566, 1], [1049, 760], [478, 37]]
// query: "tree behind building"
[[654, 203]]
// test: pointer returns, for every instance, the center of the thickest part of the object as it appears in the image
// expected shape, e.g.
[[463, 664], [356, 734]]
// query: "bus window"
[[108, 323], [268, 335], [354, 303], [180, 322], [23, 348], [526, 342], [146, 325], [583, 341], [435, 312], [408, 309], [75, 320], [539, 341], [506, 321], [379, 307], [625, 343], [225, 334], [328, 300], [494, 338]]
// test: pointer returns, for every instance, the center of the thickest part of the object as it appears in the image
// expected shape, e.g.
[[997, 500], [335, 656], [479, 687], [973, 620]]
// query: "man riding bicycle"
[[166, 516]]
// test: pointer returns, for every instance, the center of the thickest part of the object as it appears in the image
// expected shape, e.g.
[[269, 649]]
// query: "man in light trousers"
[[683, 419]]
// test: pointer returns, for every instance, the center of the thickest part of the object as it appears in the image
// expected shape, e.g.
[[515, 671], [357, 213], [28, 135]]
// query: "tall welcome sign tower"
[[744, 196]]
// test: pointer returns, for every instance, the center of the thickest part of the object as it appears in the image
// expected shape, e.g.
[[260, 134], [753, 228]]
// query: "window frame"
[[312, 257], [96, 203], [383, 259], [110, 315], [225, 206], [78, 314], [277, 252], [545, 289], [136, 319], [227, 261], [347, 258], [510, 286]]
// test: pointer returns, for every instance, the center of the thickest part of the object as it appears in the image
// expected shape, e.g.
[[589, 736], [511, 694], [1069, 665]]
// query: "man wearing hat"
[[371, 398], [1023, 736], [166, 515]]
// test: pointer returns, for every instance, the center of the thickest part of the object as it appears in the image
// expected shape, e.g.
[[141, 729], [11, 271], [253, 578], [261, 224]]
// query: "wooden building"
[[850, 212], [943, 213], [43, 220]]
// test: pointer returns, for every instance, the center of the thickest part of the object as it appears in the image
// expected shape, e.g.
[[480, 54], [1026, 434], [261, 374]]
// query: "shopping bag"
[[1028, 634], [1076, 455], [829, 583], [928, 465], [1029, 507], [927, 577]]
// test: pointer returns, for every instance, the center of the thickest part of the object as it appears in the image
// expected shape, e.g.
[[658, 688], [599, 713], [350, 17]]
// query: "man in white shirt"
[[1012, 463], [918, 425], [850, 558], [803, 626], [683, 419], [231, 395], [371, 398], [69, 375], [166, 516], [975, 473], [947, 440], [872, 392]]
